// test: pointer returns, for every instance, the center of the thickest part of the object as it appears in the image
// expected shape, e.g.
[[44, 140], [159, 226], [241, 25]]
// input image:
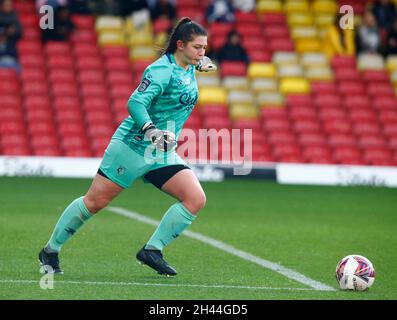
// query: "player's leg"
[[100, 193], [181, 183], [185, 187]]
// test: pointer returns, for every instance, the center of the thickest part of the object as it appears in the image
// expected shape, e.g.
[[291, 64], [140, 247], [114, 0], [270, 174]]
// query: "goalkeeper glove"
[[206, 65], [162, 140]]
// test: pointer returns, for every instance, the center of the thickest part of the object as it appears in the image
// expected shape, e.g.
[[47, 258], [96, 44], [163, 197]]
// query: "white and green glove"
[[162, 140], [206, 65]]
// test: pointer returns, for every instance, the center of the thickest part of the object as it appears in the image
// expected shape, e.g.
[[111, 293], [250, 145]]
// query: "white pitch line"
[[148, 284], [289, 273]]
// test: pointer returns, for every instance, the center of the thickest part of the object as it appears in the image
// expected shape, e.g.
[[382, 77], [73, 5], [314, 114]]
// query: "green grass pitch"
[[304, 228]]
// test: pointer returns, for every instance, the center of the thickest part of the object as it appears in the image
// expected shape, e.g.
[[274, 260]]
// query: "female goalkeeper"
[[144, 146]]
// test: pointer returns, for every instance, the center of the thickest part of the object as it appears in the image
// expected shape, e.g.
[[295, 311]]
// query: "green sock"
[[174, 221], [70, 221]]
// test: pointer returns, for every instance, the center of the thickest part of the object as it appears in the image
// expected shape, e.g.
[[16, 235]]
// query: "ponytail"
[[184, 30]]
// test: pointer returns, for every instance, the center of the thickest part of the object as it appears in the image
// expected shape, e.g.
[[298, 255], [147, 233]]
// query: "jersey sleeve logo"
[[145, 83]]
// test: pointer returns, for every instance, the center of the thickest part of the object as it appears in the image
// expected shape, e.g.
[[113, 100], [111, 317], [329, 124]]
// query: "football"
[[355, 272]]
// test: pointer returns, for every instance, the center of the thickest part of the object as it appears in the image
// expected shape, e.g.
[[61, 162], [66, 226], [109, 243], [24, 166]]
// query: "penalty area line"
[[289, 273], [148, 284]]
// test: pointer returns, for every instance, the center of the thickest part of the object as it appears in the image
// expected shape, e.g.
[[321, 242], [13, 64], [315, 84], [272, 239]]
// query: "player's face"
[[194, 51]]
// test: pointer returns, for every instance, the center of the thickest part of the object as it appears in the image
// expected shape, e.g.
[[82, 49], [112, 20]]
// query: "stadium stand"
[[302, 105]]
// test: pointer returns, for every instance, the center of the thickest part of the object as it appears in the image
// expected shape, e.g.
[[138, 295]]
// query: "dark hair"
[[184, 30]]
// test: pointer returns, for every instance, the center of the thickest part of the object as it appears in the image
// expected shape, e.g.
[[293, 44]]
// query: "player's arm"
[[154, 82]]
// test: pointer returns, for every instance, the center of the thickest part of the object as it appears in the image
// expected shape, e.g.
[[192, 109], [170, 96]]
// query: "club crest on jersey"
[[145, 83]]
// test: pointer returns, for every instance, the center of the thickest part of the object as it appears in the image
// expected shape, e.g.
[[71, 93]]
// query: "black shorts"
[[159, 176]]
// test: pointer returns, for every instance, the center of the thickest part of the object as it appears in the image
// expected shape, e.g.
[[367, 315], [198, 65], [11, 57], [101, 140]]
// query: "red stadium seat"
[[376, 76], [119, 77], [72, 128], [64, 76], [35, 88], [11, 114], [347, 154], [36, 102], [356, 102], [216, 123], [378, 156], [285, 150], [372, 141], [97, 90], [14, 127], [85, 35], [327, 100], [332, 113], [362, 115], [299, 100], [54, 48], [42, 127], [33, 74], [28, 47], [31, 61], [281, 138], [312, 139], [247, 124], [361, 128], [273, 113], [317, 154], [44, 141], [281, 44], [323, 87], [351, 88], [9, 87], [210, 110], [52, 151], [91, 76], [64, 89], [277, 125], [83, 21], [380, 89], [60, 61], [233, 68], [341, 140], [385, 103], [68, 115], [306, 126], [115, 52], [337, 126], [343, 62], [276, 31], [273, 18], [302, 113], [388, 116], [347, 74]]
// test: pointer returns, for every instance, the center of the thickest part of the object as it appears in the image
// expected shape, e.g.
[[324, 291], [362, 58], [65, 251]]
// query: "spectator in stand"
[[132, 6], [79, 7], [53, 3], [63, 26], [385, 12], [220, 11], [244, 5], [233, 50], [163, 9], [368, 39], [105, 7], [391, 45], [338, 41], [10, 33]]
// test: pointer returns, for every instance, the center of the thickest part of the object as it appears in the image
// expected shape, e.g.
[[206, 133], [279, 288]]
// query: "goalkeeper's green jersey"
[[168, 93]]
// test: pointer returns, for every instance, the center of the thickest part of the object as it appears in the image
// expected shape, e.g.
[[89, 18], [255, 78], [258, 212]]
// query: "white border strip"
[[289, 273], [148, 284]]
